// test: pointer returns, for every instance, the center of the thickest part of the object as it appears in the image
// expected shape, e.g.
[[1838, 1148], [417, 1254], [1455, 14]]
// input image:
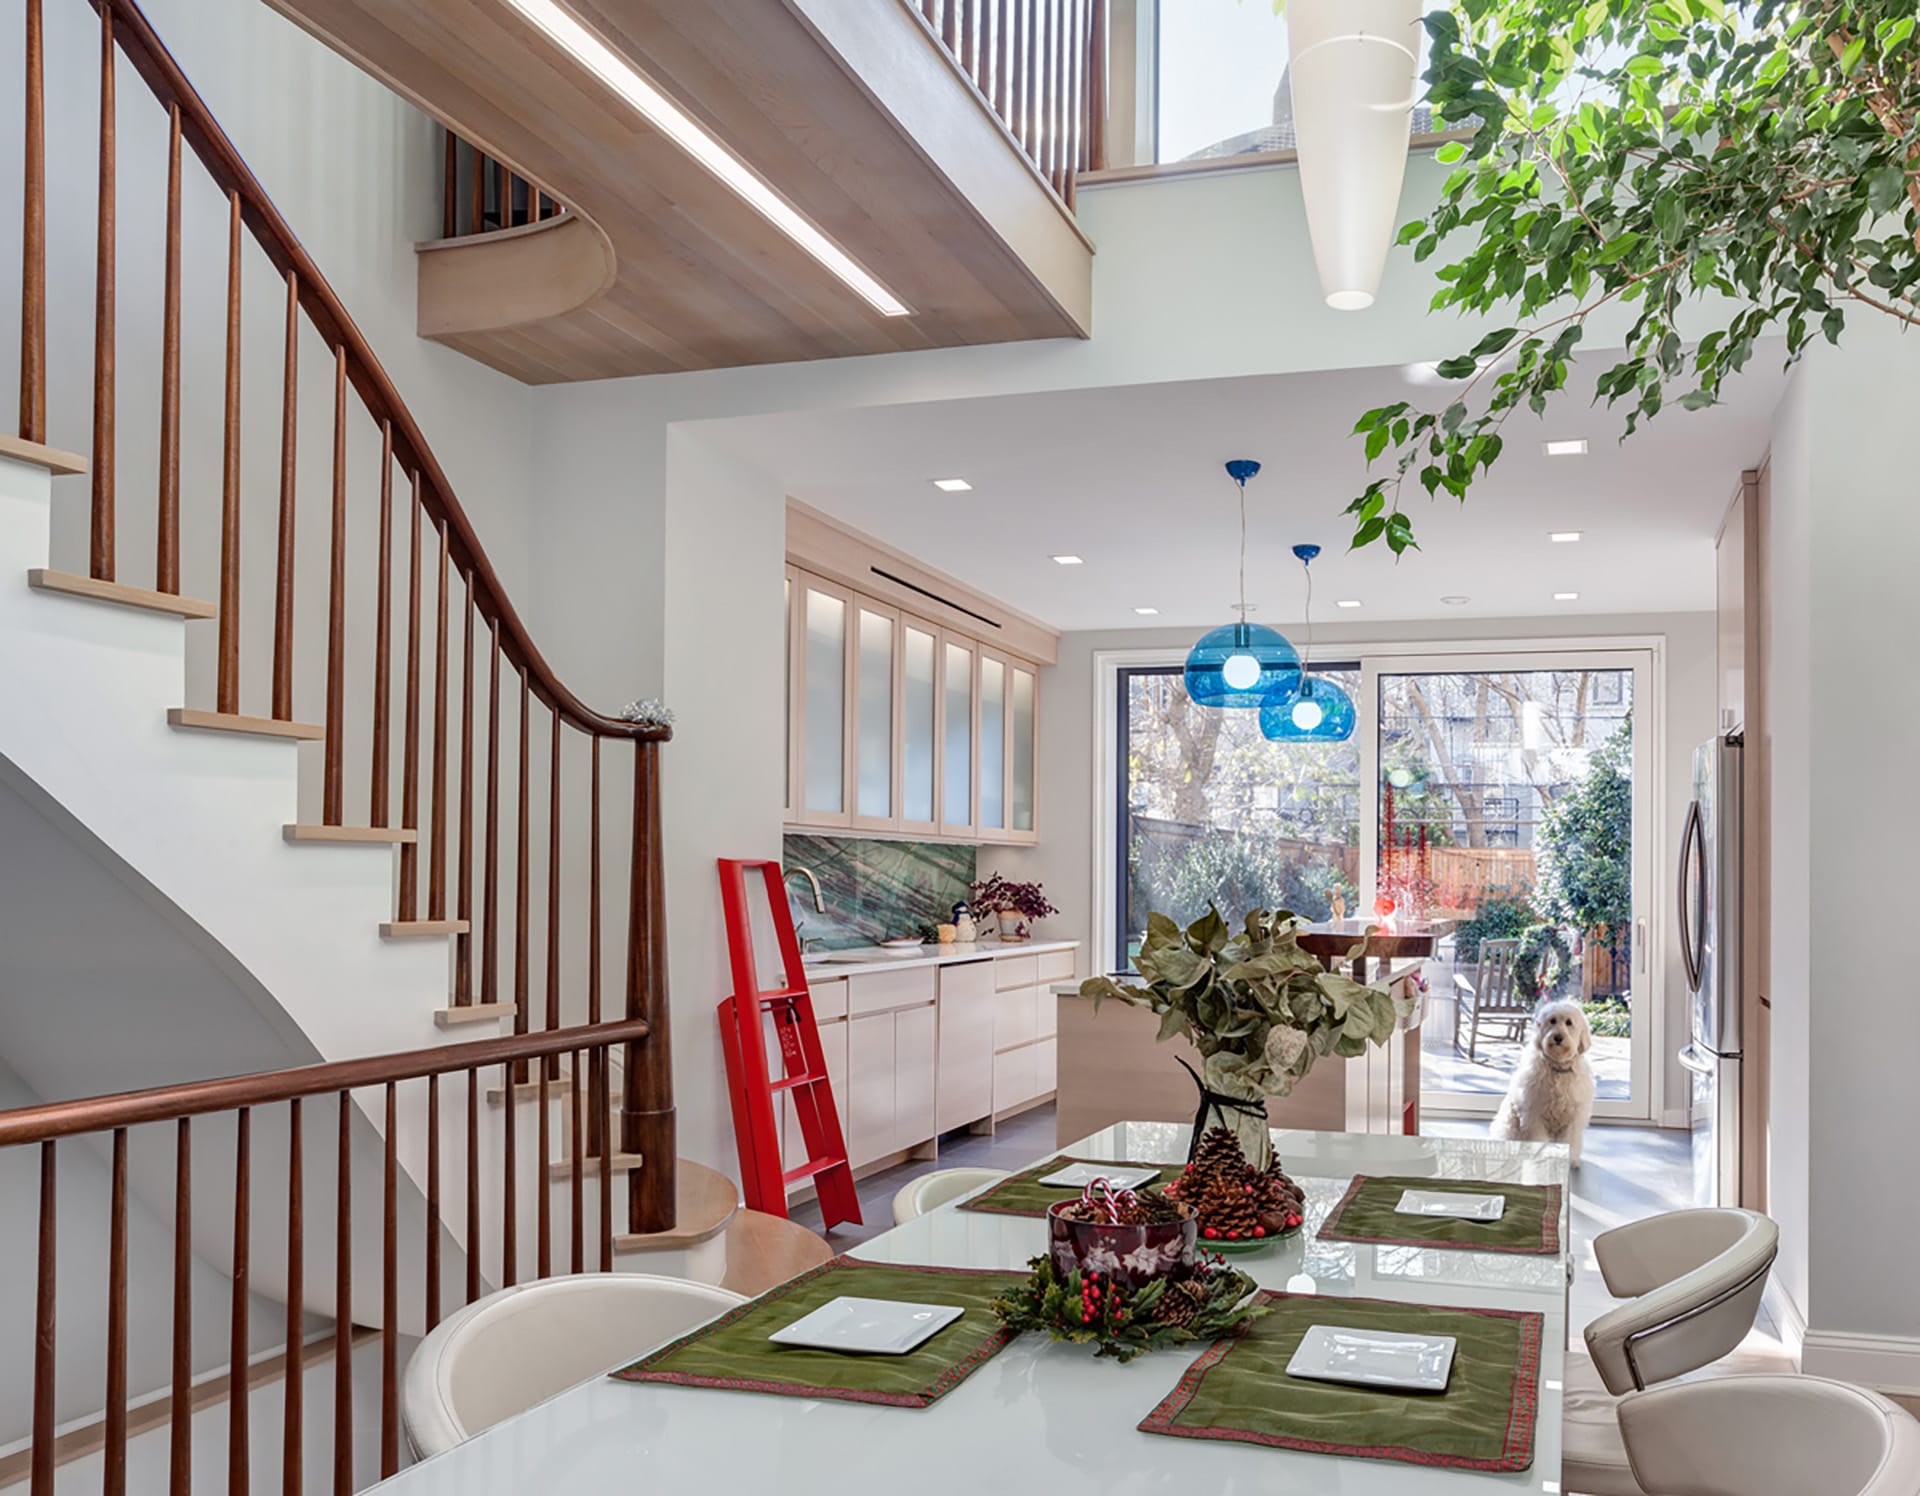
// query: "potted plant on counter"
[[1258, 1008], [1016, 905]]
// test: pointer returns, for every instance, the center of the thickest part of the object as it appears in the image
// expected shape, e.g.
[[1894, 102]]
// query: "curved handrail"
[[163, 76]]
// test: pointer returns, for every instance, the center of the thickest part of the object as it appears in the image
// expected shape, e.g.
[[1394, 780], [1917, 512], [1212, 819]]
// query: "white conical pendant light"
[[1353, 64]]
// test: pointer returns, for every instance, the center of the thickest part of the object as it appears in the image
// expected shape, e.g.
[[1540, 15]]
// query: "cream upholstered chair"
[[929, 1190], [1695, 1278], [512, 1349], [1770, 1436]]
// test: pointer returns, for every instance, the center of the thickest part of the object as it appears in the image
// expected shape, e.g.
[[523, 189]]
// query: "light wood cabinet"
[[869, 1089], [1025, 1022], [914, 1077], [965, 1085], [896, 724]]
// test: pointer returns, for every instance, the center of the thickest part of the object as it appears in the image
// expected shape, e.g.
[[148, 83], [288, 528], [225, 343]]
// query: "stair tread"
[[44, 579], [50, 458], [265, 727], [403, 929], [562, 1168], [454, 1017], [810, 1168], [529, 1090], [309, 832], [704, 1202]]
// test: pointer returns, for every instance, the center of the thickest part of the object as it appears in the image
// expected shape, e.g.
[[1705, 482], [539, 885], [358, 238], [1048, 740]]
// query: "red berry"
[[1259, 1230], [1211, 1233], [1293, 1220], [1233, 1236], [1248, 1188]]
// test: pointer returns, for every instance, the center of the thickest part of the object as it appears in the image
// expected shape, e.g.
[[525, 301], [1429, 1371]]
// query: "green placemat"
[[734, 1352], [1239, 1389], [1022, 1194], [1531, 1223]]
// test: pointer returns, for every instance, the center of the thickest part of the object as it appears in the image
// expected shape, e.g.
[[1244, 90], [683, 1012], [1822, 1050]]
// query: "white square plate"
[[874, 1327], [1079, 1176], [1452, 1205], [1374, 1358]]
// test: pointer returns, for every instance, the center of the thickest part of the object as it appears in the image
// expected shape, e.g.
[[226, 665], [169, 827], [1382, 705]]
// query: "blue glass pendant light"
[[1308, 708], [1240, 664]]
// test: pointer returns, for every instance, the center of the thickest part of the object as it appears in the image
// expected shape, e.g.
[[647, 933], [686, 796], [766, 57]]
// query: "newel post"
[[646, 1104]]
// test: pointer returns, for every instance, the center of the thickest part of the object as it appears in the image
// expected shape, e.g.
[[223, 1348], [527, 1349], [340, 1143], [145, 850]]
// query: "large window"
[[1211, 812]]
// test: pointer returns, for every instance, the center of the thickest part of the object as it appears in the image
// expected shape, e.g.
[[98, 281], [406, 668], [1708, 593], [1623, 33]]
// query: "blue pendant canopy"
[[1240, 665], [1310, 709]]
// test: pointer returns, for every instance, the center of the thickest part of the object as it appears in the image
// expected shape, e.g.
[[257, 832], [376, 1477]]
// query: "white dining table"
[[1044, 1417]]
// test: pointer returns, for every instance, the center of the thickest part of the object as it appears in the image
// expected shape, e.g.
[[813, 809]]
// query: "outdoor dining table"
[[1049, 1417]]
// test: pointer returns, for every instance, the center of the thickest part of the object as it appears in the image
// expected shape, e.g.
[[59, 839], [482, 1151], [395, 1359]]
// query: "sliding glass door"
[[1511, 804]]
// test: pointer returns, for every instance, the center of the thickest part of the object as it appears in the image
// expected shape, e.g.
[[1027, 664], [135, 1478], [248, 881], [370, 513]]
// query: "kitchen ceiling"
[[1130, 480]]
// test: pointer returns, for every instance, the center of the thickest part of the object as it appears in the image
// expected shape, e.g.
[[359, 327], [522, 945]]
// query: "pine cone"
[[1181, 1302], [1228, 1211], [1219, 1150]]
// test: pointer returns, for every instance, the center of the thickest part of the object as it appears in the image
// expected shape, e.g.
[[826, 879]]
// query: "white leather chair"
[[1770, 1436], [504, 1353], [1695, 1278], [930, 1190]]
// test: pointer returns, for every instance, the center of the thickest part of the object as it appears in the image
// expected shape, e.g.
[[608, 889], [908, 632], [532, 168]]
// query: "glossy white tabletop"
[[1042, 1417]]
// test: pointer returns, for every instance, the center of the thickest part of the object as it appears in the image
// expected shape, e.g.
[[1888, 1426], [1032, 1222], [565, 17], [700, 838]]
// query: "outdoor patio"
[[1445, 1068]]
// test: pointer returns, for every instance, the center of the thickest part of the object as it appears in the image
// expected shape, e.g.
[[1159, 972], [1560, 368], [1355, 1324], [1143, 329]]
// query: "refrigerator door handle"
[[1693, 837], [1698, 1063]]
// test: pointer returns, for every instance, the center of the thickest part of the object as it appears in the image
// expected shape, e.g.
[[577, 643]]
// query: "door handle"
[[1691, 835], [1699, 1064], [1640, 943]]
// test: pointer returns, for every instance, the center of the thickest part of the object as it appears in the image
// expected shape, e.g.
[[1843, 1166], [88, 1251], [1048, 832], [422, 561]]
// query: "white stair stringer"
[[199, 816]]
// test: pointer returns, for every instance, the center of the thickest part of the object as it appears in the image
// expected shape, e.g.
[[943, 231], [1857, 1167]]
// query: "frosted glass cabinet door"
[[993, 743], [874, 634], [919, 745], [824, 612], [956, 737], [1025, 711]]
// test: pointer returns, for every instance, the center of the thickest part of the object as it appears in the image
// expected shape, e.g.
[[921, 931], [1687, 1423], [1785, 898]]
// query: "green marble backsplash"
[[875, 890]]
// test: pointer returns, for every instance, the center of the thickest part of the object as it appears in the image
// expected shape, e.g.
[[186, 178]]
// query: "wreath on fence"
[[1542, 962]]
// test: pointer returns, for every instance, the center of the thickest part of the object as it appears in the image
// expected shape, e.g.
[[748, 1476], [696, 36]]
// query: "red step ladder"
[[803, 1067]]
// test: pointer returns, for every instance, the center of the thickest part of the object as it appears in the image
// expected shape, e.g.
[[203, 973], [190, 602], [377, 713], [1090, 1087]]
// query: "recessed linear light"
[[1148, 612], [1566, 597], [1068, 561], [1456, 600], [953, 485], [1563, 537], [1348, 602], [1574, 448], [670, 120]]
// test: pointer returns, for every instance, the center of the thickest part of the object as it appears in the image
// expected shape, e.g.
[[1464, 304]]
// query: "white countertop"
[[843, 963], [1041, 1417]]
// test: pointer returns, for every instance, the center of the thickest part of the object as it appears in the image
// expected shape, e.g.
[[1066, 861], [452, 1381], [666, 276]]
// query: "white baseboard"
[[1886, 1363], [1787, 1317], [1674, 1117]]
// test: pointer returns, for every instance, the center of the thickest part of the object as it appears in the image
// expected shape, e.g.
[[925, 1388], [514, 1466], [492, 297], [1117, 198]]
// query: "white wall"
[[1071, 697], [1844, 721]]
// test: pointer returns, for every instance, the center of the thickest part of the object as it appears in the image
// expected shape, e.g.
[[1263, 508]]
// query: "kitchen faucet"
[[819, 904]]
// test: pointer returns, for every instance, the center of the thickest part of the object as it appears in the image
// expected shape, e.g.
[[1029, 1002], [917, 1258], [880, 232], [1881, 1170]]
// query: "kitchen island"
[[1112, 1064]]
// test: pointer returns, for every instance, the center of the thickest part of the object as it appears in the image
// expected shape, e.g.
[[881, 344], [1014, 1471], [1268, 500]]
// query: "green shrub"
[[1497, 919], [1608, 1017]]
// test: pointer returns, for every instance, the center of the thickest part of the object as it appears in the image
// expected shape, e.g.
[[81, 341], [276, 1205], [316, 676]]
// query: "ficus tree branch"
[[1754, 167]]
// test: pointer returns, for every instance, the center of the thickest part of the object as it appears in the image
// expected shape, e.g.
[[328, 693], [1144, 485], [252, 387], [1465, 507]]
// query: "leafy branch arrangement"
[[1166, 1312], [1764, 155], [1257, 1007]]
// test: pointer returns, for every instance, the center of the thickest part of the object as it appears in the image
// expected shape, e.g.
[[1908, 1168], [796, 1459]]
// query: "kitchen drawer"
[[1056, 966], [829, 998], [879, 991], [967, 982], [1015, 971], [1015, 1077], [1015, 1018], [1046, 1012]]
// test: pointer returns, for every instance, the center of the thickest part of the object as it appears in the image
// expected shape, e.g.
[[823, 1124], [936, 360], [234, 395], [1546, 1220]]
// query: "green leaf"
[[1494, 342], [1886, 185], [1449, 153]]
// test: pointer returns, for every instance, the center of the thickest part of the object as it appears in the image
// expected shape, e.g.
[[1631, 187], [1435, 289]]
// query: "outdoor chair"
[[1491, 998]]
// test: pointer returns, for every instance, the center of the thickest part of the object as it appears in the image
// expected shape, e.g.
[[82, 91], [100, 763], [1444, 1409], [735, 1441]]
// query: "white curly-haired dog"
[[1550, 1096]]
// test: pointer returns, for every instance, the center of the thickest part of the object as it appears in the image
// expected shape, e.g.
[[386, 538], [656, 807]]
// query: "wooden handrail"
[[135, 37], [66, 1119]]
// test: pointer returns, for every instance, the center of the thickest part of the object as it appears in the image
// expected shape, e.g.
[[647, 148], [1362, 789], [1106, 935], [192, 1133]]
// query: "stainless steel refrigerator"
[[1709, 885]]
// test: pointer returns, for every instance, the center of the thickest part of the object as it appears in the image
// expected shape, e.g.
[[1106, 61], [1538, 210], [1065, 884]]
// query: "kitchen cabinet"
[[869, 1089], [914, 1077], [903, 726], [965, 1083], [1024, 1026]]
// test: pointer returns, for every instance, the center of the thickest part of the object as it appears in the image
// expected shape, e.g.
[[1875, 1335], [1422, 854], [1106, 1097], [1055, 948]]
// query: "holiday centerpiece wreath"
[[1123, 1273]]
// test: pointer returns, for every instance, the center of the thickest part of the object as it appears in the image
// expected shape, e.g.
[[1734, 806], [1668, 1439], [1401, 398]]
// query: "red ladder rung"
[[810, 1168], [805, 1078]]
